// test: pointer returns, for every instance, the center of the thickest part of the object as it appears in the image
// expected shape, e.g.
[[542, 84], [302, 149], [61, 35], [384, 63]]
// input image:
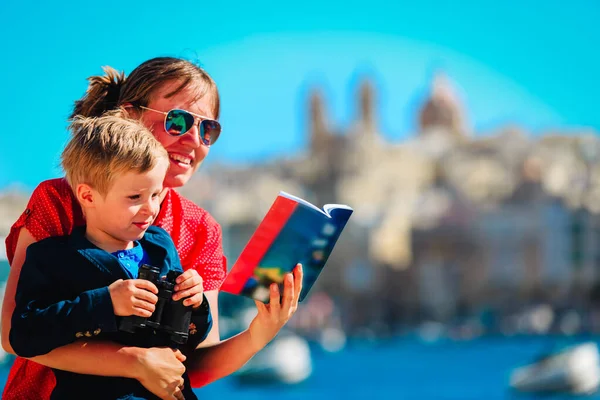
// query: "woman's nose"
[[192, 137]]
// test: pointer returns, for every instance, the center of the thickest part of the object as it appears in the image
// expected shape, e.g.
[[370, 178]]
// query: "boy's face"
[[128, 208]]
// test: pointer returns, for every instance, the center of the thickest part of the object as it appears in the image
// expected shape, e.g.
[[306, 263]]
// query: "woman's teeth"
[[180, 159]]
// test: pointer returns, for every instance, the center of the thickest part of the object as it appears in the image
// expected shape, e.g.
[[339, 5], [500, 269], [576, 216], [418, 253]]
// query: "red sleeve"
[[50, 212], [206, 255]]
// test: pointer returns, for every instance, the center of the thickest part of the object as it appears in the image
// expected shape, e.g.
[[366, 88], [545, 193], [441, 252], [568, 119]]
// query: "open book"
[[293, 231]]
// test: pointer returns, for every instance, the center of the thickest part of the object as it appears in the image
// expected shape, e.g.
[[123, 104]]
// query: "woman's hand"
[[273, 316], [160, 371]]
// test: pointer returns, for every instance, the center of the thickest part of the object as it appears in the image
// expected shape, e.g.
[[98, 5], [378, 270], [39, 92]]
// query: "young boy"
[[82, 286]]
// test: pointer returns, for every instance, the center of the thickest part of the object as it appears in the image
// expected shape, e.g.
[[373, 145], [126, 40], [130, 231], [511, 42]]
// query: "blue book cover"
[[293, 231]]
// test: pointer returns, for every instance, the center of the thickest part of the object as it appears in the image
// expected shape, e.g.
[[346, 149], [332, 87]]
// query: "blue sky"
[[533, 62]]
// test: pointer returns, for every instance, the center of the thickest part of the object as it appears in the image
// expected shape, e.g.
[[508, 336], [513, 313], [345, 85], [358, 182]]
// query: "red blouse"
[[53, 211]]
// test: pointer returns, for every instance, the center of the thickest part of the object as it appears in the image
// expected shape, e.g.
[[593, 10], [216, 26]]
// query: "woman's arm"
[[155, 368], [213, 336], [209, 364], [158, 369], [8, 304]]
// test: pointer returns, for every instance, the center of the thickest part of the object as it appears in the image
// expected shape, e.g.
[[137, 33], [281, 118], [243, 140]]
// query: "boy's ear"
[[85, 195]]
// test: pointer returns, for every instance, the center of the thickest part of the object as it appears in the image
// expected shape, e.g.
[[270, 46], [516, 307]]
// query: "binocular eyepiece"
[[169, 316]]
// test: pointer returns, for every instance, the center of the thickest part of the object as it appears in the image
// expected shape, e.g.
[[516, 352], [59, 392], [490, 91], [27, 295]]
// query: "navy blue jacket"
[[62, 296]]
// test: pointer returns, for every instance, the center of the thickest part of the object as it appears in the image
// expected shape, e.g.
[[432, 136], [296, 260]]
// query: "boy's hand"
[[189, 287], [133, 297]]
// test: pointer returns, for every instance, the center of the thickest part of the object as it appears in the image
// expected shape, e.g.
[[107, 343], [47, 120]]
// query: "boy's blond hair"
[[102, 148]]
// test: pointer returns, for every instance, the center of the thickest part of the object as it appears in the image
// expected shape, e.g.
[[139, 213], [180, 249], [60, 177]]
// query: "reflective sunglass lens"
[[209, 131], [178, 122]]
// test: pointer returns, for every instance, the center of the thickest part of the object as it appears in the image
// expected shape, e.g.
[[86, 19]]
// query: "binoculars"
[[169, 316]]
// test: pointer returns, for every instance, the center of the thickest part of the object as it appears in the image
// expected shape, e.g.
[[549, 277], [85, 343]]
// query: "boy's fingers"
[[141, 312], [145, 284], [185, 275], [195, 300], [146, 296], [144, 305], [187, 293], [194, 280]]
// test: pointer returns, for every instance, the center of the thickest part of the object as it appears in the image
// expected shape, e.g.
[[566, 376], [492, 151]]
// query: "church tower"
[[318, 129], [366, 107], [442, 110]]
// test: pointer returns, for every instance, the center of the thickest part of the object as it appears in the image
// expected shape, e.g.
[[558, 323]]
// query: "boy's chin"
[[141, 235], [136, 237]]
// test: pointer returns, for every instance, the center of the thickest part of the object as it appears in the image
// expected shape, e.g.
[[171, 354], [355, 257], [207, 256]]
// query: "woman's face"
[[186, 152]]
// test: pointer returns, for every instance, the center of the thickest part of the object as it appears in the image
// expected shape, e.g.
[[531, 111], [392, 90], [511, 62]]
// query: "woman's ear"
[[85, 195], [130, 110]]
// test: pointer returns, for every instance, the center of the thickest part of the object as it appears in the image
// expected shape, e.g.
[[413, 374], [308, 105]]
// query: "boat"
[[574, 370]]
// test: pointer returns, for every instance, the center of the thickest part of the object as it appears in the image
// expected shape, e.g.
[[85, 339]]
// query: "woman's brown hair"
[[113, 89]]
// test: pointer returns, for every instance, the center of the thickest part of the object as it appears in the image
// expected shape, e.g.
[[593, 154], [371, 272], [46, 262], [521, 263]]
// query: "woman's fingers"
[[261, 307], [288, 293], [179, 355], [178, 395], [298, 274], [275, 299]]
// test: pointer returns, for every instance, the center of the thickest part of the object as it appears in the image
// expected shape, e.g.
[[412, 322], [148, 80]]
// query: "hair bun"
[[101, 95]]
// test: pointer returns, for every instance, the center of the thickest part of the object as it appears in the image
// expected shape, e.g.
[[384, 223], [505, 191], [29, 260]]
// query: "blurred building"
[[446, 222], [12, 204]]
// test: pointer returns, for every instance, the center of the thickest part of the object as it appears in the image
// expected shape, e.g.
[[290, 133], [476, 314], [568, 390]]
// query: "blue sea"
[[406, 368]]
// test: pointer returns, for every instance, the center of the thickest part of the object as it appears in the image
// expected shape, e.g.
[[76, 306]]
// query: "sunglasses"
[[179, 122]]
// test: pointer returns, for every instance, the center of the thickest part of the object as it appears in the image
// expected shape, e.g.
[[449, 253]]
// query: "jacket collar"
[[110, 264], [101, 259]]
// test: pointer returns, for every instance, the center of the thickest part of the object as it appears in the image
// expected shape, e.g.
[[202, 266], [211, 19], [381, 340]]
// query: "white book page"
[[326, 209]]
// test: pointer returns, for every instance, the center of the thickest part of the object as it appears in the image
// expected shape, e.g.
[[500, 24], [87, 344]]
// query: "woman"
[[179, 102]]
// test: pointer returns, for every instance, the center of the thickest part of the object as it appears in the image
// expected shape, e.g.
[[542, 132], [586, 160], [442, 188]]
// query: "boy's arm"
[[40, 324], [155, 368]]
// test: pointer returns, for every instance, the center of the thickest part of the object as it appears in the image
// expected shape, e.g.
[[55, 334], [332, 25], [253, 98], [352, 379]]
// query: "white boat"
[[285, 360], [573, 370]]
